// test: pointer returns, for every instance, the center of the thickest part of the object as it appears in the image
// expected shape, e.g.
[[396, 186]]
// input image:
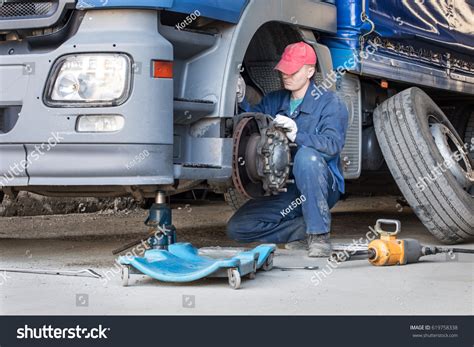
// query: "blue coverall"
[[322, 123]]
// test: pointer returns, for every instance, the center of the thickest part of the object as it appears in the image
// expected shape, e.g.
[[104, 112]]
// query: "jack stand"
[[162, 232], [159, 221]]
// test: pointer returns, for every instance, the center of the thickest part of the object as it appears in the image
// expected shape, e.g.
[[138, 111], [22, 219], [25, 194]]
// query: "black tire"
[[402, 125], [234, 199], [469, 135]]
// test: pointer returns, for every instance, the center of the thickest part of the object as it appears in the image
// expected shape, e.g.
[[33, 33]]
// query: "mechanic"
[[299, 217]]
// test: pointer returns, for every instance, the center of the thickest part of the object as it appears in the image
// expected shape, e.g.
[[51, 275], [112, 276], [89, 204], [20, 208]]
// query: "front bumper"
[[87, 165]]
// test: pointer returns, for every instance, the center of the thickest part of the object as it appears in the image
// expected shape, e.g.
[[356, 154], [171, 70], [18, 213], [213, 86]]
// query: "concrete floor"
[[438, 285]]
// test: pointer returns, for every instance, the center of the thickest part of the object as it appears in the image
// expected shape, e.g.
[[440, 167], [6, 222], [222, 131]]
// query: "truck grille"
[[17, 9]]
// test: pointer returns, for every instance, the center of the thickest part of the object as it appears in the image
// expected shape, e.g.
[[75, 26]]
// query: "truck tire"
[[234, 199], [408, 128], [469, 135]]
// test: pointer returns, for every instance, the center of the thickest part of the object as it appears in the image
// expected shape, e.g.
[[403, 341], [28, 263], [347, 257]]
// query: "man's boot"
[[319, 245]]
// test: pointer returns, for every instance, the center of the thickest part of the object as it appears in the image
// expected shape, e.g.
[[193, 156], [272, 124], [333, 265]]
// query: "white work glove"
[[286, 122]]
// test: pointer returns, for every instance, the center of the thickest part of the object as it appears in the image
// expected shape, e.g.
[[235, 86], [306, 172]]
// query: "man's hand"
[[288, 123]]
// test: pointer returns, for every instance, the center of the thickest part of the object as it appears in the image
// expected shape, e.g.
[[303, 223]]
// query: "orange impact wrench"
[[388, 250]]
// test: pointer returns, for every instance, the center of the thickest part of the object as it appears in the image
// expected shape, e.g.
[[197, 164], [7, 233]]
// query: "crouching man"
[[301, 216]]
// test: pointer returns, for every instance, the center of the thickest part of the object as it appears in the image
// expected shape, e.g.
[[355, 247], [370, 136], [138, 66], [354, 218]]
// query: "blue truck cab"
[[119, 97]]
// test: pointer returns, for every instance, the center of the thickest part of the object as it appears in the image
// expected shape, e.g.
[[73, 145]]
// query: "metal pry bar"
[[77, 273]]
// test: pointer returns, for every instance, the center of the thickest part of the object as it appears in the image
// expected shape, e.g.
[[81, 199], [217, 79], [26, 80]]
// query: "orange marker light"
[[384, 84], [162, 69]]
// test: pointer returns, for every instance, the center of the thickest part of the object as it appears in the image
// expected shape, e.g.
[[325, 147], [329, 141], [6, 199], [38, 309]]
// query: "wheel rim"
[[268, 262], [456, 158], [234, 278]]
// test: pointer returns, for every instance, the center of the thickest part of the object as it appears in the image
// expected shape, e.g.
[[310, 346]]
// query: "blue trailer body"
[[438, 23], [431, 25]]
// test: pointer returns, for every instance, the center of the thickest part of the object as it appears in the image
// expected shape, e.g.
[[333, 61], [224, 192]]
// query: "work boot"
[[298, 245], [319, 245]]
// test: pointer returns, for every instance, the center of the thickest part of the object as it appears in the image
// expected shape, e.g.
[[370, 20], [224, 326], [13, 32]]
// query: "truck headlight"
[[99, 123], [89, 80]]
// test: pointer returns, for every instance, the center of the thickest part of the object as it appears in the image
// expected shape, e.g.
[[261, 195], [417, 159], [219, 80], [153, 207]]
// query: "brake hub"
[[261, 156]]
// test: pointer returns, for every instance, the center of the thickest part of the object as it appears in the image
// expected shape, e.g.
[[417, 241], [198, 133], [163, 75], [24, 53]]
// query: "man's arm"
[[329, 138], [265, 106]]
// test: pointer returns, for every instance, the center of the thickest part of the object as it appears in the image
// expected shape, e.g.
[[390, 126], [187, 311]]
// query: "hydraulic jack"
[[160, 223], [162, 232]]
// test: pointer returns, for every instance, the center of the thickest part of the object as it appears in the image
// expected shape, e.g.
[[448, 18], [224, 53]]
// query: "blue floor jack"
[[168, 261]]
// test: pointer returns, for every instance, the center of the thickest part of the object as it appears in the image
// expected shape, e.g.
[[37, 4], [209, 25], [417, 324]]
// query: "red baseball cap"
[[295, 57]]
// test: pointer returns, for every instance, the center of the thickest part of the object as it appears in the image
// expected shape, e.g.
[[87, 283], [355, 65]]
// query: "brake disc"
[[261, 158]]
